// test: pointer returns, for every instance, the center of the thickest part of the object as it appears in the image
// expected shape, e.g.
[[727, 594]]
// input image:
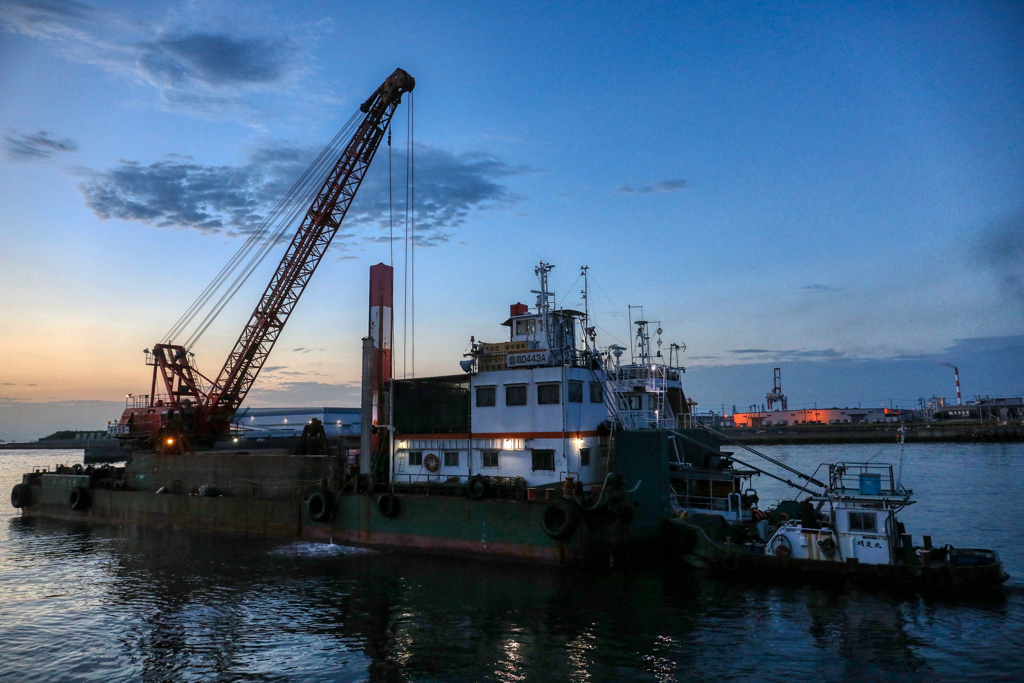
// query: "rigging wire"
[[405, 269], [263, 239], [258, 235], [412, 228]]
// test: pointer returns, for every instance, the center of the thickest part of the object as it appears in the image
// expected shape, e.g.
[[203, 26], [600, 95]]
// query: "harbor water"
[[98, 603]]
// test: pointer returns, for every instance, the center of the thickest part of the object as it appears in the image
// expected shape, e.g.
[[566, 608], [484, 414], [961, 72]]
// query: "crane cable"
[[254, 239], [263, 239]]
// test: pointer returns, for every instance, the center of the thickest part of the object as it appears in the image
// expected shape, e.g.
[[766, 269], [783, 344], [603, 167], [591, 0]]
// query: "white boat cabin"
[[853, 520]]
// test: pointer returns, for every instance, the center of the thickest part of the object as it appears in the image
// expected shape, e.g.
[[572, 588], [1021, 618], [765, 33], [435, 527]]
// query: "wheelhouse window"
[[485, 397], [543, 460], [451, 458], [547, 394], [596, 393], [515, 395], [575, 392], [636, 402], [415, 458], [526, 327], [584, 457], [863, 521], [490, 458]]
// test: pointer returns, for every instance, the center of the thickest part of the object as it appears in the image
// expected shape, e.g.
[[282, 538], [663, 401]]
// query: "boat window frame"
[[490, 452], [596, 389], [417, 455], [547, 453], [585, 457], [493, 394], [451, 461], [861, 516], [508, 395], [574, 393], [548, 385]]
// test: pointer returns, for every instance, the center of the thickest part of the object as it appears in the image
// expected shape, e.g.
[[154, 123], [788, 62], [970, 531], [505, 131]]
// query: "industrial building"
[[983, 410], [825, 416], [262, 423]]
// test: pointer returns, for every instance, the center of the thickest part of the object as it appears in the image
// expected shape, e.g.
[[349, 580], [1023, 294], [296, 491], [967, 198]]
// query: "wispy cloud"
[[177, 192], [1000, 249], [35, 147], [820, 288], [201, 70], [787, 354], [654, 188]]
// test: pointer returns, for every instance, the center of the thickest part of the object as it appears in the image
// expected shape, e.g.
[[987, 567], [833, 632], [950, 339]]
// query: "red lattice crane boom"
[[202, 408]]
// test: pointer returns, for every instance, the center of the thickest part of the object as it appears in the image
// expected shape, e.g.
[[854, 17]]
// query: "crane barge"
[[184, 406]]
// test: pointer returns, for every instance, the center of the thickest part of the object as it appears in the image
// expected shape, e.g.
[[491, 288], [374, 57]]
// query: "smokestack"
[[956, 373]]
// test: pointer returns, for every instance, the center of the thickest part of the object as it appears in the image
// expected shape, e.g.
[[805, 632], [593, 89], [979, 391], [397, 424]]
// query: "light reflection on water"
[[81, 603]]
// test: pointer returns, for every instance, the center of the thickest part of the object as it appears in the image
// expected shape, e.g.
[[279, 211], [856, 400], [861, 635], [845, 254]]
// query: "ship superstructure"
[[533, 407]]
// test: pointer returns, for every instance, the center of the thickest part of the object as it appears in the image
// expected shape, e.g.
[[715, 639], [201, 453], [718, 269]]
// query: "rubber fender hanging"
[[560, 519], [79, 498], [320, 506], [20, 496], [431, 462], [77, 468], [388, 504], [478, 487]]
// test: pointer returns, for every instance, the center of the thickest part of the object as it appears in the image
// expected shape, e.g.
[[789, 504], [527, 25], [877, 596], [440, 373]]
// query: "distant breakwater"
[[914, 433]]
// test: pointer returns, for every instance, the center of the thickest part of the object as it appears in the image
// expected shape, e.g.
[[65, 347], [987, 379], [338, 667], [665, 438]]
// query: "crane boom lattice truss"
[[219, 399]]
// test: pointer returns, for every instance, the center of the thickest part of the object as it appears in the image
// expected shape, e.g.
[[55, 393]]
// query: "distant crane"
[[775, 395]]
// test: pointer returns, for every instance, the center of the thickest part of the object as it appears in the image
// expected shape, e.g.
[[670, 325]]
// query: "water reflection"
[[79, 603]]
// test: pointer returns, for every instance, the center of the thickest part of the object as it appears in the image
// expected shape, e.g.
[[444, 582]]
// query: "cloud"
[[663, 186], [41, 145], [1000, 249], [203, 71], [177, 192], [787, 354], [820, 288]]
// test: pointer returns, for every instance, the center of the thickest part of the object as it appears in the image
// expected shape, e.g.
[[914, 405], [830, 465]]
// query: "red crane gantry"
[[195, 407]]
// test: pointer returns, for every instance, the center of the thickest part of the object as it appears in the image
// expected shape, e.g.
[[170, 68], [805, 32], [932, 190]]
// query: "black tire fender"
[[79, 498], [321, 505], [20, 496], [560, 519], [387, 504], [478, 487]]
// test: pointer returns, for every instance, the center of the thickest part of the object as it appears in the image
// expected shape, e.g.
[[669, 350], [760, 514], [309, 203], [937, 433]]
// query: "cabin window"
[[547, 394], [863, 521], [596, 393], [490, 458], [415, 458], [451, 458], [544, 460], [584, 457], [636, 402], [575, 392], [515, 395], [526, 327], [485, 397]]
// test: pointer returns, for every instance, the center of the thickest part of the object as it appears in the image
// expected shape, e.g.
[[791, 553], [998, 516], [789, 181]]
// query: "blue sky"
[[834, 188]]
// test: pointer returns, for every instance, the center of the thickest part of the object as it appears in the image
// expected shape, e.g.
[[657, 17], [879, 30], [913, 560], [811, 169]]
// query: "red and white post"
[[956, 373]]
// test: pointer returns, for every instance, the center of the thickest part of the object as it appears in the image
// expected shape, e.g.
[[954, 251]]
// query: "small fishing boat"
[[846, 532]]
